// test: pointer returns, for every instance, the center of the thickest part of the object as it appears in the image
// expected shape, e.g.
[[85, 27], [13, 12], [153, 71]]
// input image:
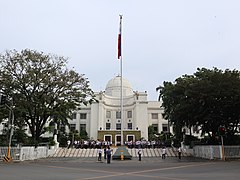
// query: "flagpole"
[[122, 143], [121, 74]]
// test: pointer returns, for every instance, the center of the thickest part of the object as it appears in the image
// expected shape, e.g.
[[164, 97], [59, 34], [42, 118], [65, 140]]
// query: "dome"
[[113, 87]]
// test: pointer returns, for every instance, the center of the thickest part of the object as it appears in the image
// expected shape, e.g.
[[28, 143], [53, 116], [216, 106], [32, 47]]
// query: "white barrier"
[[215, 152], [28, 153]]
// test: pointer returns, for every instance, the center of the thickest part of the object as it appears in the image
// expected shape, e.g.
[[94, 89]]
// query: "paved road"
[[149, 168]]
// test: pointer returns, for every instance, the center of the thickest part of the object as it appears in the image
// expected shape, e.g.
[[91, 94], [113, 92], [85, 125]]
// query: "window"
[[154, 115], [118, 114], [82, 127], [118, 126], [108, 126], [130, 126], [83, 116], [72, 127], [165, 128], [74, 115], [129, 114], [108, 114], [155, 128]]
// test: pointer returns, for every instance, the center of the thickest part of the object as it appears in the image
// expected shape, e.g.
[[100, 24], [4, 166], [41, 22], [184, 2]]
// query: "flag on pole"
[[120, 39]]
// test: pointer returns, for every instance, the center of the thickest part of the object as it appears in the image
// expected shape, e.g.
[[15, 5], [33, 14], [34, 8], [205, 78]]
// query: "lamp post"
[[222, 132], [8, 157], [223, 154]]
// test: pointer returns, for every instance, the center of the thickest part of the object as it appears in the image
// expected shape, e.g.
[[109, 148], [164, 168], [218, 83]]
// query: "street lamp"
[[222, 132], [8, 157]]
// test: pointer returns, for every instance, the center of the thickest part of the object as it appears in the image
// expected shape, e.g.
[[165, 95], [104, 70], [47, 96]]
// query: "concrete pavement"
[[149, 168]]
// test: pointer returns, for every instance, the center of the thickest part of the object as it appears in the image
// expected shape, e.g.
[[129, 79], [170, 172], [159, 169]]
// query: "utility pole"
[[223, 154], [8, 157], [222, 132]]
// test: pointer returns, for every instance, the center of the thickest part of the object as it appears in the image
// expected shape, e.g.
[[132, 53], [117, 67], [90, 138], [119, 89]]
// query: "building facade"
[[102, 120]]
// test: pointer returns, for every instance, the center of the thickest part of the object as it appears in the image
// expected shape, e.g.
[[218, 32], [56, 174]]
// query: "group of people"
[[88, 144], [163, 153], [179, 150], [107, 154], [144, 144], [99, 143]]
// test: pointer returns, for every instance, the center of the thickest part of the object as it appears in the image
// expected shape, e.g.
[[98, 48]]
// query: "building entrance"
[[117, 140], [108, 139]]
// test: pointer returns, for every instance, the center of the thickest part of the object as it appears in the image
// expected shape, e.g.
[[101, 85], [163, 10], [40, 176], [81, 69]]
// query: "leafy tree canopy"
[[40, 87], [207, 99]]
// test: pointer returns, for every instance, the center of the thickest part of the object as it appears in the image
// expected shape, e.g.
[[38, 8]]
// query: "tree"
[[84, 135], [151, 133], [207, 99], [41, 88]]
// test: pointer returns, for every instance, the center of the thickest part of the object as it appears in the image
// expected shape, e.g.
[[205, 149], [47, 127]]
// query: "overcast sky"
[[162, 39]]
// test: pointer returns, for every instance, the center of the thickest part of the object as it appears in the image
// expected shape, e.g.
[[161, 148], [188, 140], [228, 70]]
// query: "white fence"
[[31, 153], [27, 153], [215, 152]]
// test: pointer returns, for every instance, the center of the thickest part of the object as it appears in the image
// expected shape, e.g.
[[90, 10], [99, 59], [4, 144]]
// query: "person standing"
[[179, 153], [99, 154], [105, 152], [108, 151], [68, 144], [139, 154], [164, 152]]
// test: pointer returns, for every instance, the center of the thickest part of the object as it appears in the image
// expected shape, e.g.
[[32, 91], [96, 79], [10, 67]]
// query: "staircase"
[[83, 153]]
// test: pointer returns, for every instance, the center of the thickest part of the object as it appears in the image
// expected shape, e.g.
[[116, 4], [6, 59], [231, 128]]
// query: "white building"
[[102, 120]]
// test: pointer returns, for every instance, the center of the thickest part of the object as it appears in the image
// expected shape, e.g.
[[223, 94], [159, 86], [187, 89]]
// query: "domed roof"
[[113, 87]]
